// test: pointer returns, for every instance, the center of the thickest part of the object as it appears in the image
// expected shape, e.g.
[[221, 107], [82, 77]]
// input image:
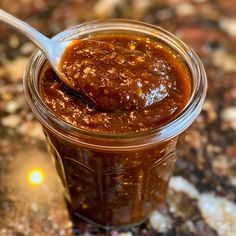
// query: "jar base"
[[78, 219]]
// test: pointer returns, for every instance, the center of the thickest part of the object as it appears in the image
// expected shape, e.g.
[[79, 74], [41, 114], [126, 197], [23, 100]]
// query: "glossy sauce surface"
[[135, 84]]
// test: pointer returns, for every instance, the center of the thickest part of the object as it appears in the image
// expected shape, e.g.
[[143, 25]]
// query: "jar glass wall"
[[115, 179]]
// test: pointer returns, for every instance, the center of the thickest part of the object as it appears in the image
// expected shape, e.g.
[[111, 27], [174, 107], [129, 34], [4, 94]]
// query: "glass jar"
[[115, 179]]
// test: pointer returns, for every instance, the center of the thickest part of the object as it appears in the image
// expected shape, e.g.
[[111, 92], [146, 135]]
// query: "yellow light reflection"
[[36, 176]]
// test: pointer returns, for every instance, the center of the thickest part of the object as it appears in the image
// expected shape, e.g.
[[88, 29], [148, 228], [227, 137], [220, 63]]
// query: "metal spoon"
[[52, 49]]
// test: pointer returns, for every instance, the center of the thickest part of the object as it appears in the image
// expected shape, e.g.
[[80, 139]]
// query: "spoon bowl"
[[110, 66]]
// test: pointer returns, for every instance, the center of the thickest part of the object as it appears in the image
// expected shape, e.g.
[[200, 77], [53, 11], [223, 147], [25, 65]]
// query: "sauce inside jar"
[[135, 84]]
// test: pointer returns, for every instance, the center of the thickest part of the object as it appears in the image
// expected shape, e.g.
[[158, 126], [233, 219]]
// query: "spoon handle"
[[36, 37]]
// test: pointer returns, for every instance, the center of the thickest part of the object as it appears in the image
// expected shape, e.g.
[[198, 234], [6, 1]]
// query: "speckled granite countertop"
[[202, 195]]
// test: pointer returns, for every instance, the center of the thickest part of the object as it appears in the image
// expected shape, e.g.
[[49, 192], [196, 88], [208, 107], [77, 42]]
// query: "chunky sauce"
[[135, 84], [127, 84]]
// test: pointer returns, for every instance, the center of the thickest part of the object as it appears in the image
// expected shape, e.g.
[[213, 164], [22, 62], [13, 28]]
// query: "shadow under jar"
[[116, 179]]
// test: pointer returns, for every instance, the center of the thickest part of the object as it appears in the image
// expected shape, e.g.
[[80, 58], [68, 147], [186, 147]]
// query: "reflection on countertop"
[[201, 199]]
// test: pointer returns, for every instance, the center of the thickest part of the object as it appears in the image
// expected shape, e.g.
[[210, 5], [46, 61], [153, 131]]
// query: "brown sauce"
[[136, 84]]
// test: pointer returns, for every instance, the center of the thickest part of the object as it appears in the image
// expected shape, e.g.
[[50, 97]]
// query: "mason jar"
[[115, 179]]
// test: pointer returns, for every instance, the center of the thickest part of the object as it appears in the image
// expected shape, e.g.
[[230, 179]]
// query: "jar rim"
[[109, 140]]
